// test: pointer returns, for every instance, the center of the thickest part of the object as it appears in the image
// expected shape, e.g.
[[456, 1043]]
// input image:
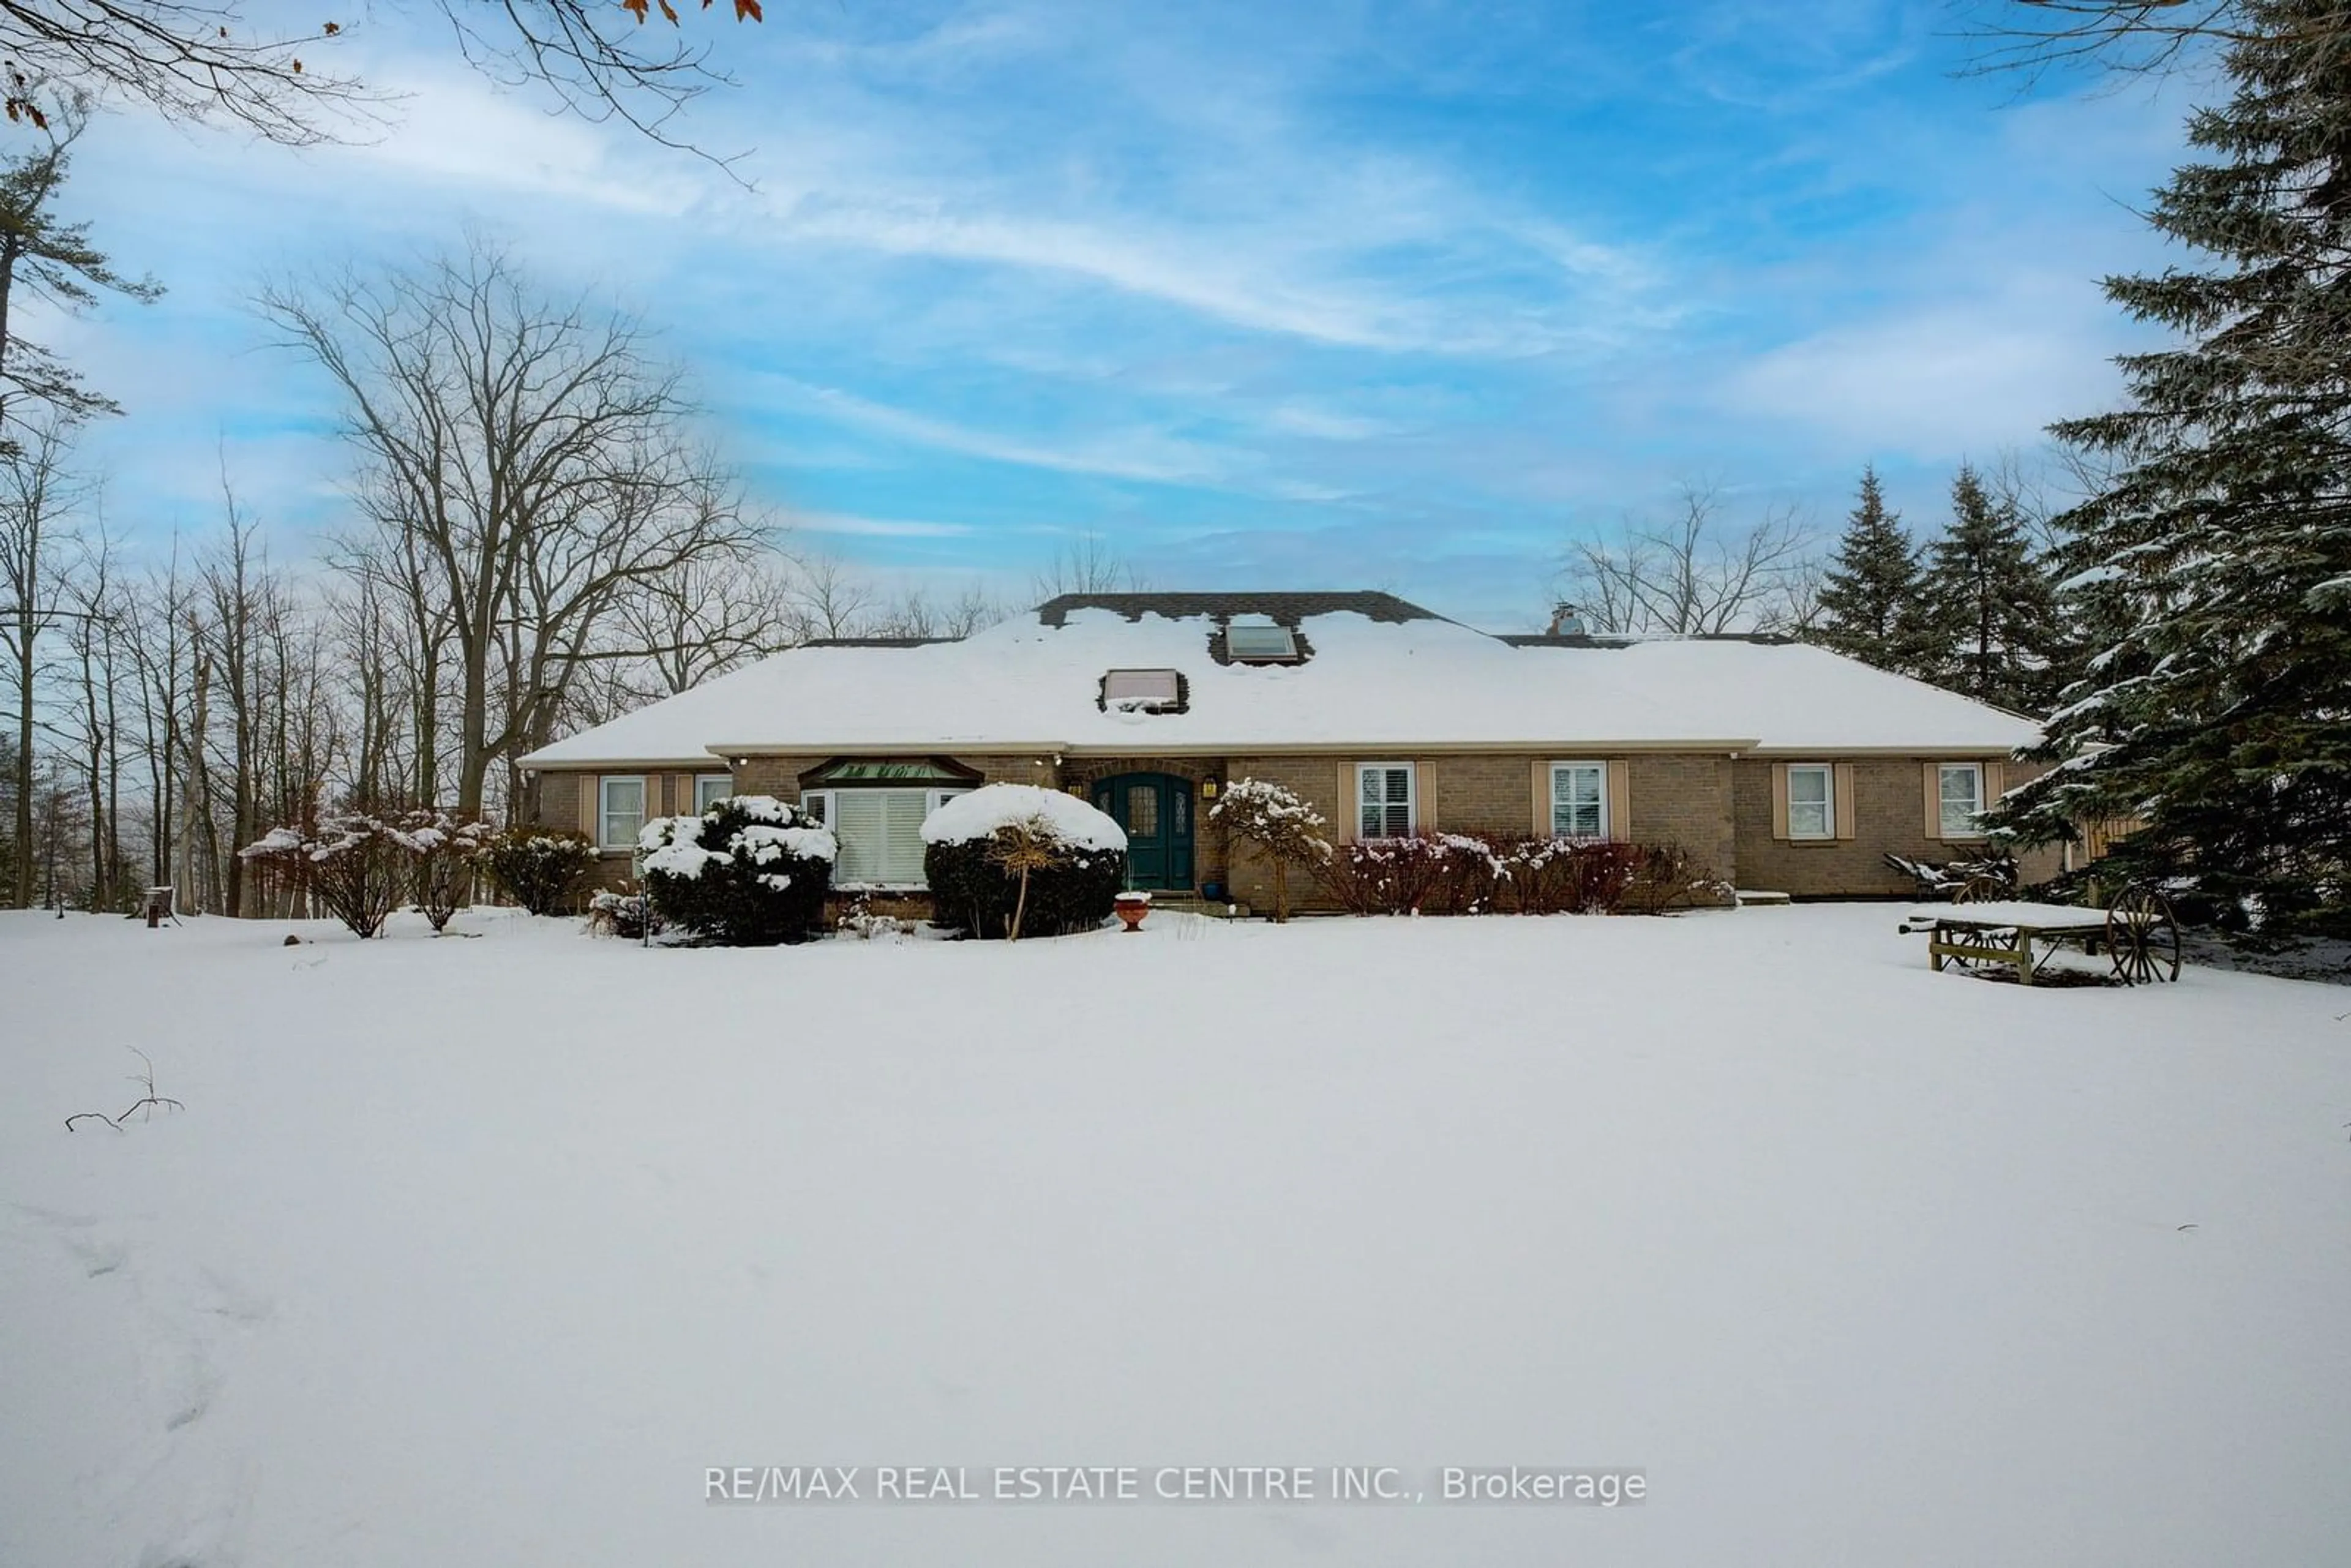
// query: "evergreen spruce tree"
[[1988, 619], [2215, 568], [1869, 599], [47, 259]]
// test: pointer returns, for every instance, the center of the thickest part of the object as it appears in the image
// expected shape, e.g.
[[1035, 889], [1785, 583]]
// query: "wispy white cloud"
[[1131, 454], [1320, 423], [848, 523]]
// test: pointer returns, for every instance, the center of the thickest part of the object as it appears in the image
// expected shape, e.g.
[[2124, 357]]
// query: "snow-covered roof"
[[1373, 677]]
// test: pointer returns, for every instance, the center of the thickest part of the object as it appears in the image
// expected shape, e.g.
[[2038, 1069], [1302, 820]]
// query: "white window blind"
[[709, 787], [620, 813], [1578, 799], [1811, 808], [879, 833], [1384, 799], [1959, 793]]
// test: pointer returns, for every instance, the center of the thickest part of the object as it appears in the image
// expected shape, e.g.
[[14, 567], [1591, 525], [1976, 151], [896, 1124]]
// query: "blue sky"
[[1329, 295]]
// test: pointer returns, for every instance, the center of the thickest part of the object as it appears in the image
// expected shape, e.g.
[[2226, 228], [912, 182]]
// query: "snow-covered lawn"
[[483, 1252]]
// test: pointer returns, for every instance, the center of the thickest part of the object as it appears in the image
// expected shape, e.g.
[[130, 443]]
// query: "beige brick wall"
[[1685, 800], [1889, 816], [1718, 808], [1682, 798]]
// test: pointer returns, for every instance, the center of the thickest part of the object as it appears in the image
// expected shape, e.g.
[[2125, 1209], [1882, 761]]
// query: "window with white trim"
[[1812, 802], [1387, 800], [879, 833], [620, 811], [1960, 798], [1578, 799], [709, 788]]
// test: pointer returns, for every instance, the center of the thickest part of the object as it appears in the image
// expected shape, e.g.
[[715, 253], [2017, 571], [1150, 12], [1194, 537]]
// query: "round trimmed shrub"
[[1075, 858], [541, 869], [750, 872]]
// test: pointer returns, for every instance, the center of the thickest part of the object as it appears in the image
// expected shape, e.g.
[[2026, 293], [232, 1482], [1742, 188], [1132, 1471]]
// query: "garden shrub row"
[[1484, 873]]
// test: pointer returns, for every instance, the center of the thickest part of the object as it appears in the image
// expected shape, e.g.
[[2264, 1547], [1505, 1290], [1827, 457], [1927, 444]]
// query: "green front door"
[[1155, 811]]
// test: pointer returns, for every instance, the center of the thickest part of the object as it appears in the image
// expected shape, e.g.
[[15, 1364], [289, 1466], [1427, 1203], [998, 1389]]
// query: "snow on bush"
[[1014, 860], [1284, 829], [352, 863], [979, 815], [357, 864], [1475, 874], [750, 872], [623, 914], [539, 868], [442, 849]]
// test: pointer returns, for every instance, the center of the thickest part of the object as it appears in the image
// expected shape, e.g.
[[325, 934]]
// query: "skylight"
[[1147, 690], [1259, 639]]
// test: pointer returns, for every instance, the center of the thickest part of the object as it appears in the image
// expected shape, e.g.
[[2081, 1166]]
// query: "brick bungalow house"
[[1778, 765]]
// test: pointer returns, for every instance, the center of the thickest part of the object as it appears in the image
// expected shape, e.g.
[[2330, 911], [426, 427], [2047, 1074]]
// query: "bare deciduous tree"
[[1693, 574], [1087, 566], [527, 466], [832, 599], [2134, 37], [37, 498], [204, 62]]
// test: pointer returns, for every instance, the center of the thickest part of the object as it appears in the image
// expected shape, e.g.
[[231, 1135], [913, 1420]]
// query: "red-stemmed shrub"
[[1477, 873]]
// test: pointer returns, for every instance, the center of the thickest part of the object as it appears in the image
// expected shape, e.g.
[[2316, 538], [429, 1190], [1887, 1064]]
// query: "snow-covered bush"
[[623, 915], [1284, 829], [540, 868], [861, 920], [1551, 875], [1479, 874], [1668, 877], [354, 864], [1014, 860], [1424, 874], [750, 872], [442, 849]]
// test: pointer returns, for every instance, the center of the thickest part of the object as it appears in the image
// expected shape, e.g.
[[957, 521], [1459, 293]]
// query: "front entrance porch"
[[1155, 811]]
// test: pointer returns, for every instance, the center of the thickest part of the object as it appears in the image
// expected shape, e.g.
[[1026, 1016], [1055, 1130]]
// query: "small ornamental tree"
[[750, 872], [1285, 829], [540, 868], [441, 849], [1014, 860], [1019, 848], [354, 864]]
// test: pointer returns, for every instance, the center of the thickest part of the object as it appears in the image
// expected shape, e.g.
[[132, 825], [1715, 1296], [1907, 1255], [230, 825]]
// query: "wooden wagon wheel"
[[1982, 888], [2143, 936]]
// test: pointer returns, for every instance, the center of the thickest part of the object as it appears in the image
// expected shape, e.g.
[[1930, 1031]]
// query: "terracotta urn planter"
[[1131, 907]]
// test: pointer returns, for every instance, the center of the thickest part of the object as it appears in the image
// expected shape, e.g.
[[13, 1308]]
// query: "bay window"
[[879, 832]]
